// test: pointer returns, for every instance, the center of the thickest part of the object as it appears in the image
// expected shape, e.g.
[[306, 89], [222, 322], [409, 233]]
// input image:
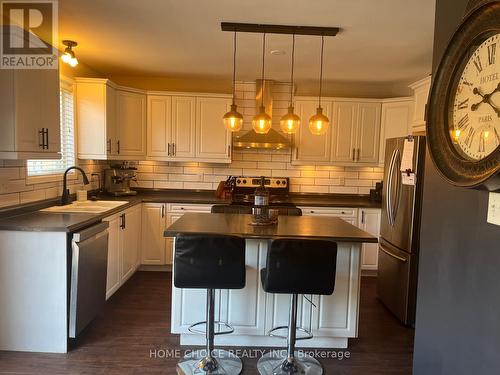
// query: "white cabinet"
[[310, 147], [124, 246], [29, 114], [131, 245], [420, 95], [352, 138], [369, 221], [156, 249], [356, 132], [153, 242], [188, 128], [95, 114], [171, 127], [131, 124], [395, 121], [213, 140]]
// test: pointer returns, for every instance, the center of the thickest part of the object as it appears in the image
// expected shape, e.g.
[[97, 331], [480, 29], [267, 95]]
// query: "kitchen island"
[[251, 311]]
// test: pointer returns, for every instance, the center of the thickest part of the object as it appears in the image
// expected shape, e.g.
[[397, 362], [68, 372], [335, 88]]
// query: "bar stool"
[[209, 262], [296, 266]]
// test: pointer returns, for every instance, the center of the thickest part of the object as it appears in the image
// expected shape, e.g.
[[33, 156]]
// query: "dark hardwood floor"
[[136, 321]]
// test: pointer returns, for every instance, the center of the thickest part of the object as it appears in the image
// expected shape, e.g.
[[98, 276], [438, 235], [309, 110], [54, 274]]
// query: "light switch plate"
[[494, 208]]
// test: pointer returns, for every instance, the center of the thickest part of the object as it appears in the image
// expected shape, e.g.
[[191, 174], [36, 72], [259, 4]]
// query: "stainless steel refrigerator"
[[400, 226]]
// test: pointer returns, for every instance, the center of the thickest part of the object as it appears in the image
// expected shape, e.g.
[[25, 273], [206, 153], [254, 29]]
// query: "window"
[[50, 167]]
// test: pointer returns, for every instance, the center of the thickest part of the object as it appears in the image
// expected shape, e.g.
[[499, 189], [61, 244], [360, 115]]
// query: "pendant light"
[[262, 122], [318, 124], [233, 120], [290, 122]]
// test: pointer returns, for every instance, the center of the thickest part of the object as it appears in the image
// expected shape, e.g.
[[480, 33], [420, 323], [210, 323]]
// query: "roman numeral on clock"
[[470, 137], [464, 104], [492, 50], [478, 64], [463, 122]]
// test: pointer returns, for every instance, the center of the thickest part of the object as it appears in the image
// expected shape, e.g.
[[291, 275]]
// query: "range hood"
[[273, 140]]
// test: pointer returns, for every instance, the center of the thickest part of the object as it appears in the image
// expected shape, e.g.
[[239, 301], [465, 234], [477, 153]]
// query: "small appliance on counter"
[[117, 180], [376, 194]]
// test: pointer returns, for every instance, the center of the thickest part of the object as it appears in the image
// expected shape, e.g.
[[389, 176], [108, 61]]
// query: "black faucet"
[[65, 195]]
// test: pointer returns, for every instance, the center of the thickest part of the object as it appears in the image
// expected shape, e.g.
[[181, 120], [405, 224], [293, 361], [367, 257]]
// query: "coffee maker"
[[117, 180]]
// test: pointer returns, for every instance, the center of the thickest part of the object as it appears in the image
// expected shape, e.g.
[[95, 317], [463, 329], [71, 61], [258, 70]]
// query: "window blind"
[[48, 167]]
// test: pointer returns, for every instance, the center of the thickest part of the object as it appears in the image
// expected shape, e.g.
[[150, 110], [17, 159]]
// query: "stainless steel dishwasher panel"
[[89, 249]]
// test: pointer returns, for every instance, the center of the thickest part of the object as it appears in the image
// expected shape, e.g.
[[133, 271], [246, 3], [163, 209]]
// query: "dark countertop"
[[29, 218], [307, 227]]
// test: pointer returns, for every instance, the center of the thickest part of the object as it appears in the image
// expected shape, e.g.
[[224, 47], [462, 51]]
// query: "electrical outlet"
[[494, 208]]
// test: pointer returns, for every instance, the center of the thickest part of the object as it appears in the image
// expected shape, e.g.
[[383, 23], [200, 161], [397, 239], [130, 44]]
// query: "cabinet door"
[[183, 126], [131, 124], [213, 141], [159, 125], [28, 87], [169, 247], [245, 308], [113, 276], [369, 221], [153, 224], [344, 135], [395, 122], [368, 133], [310, 147], [131, 242], [50, 110]]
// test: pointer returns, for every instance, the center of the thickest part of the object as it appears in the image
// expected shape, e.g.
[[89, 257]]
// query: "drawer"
[[176, 207], [328, 211]]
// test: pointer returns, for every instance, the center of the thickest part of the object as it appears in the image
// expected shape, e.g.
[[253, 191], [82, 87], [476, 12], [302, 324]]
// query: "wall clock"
[[463, 112]]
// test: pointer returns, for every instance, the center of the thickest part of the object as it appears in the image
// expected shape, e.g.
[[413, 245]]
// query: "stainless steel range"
[[243, 191]]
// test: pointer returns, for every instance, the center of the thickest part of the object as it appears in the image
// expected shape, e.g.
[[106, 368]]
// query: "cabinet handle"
[[353, 154], [163, 211], [168, 151], [229, 151], [41, 138], [173, 149], [109, 146], [296, 152], [124, 222], [46, 138], [118, 146], [359, 153], [362, 217]]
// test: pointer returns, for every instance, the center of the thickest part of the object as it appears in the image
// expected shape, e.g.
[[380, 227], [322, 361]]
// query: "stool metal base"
[[276, 363], [221, 362]]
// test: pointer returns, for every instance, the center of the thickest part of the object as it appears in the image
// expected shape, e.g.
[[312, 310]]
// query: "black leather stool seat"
[[296, 266], [209, 262], [231, 209]]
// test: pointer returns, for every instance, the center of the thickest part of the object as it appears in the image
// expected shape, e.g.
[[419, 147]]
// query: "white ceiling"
[[387, 41]]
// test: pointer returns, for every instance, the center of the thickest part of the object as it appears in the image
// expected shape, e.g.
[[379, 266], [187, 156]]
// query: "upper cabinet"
[[352, 138], [95, 109], [420, 95], [310, 147], [130, 125], [397, 115], [29, 114], [111, 121], [188, 128]]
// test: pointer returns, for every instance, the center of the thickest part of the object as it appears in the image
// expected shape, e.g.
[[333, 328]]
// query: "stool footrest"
[[228, 330], [308, 335]]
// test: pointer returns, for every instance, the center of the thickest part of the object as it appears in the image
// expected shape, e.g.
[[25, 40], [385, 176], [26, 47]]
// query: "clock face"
[[474, 110]]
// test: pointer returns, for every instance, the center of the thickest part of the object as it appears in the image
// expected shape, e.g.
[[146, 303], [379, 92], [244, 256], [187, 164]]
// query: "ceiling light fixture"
[[262, 122], [68, 55], [233, 120], [318, 123], [290, 122]]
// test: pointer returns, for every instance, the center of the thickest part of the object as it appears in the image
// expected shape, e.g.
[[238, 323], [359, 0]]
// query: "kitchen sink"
[[86, 207]]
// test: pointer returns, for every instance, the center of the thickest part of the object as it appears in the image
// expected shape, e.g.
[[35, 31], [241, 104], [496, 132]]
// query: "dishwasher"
[[89, 260]]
